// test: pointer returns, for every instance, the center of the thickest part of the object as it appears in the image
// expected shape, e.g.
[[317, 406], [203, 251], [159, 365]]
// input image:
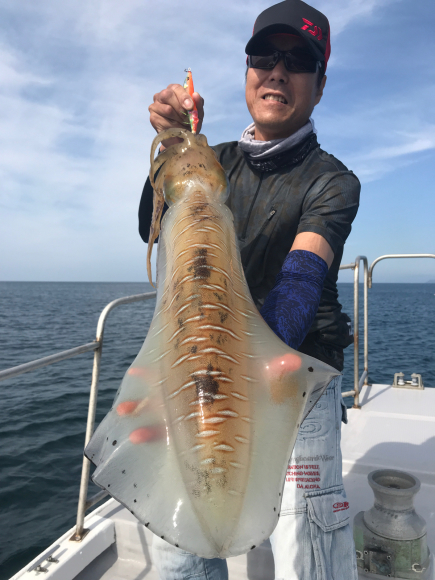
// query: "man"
[[293, 205]]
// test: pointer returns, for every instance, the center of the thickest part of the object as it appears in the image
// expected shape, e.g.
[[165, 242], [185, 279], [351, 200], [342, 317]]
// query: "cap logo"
[[317, 31]]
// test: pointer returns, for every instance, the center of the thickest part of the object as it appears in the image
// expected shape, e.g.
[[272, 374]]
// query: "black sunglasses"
[[295, 60]]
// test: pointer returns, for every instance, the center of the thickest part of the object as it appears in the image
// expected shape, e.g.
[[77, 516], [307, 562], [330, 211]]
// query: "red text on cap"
[[317, 30]]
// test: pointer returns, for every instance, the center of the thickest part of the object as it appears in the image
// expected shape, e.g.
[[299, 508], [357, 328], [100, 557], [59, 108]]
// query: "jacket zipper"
[[269, 217], [245, 229]]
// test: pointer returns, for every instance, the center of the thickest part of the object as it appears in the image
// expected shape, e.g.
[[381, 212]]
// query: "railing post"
[[80, 532], [357, 380], [356, 404], [366, 320]]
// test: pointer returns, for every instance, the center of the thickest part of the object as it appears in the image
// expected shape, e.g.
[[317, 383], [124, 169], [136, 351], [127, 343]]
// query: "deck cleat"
[[416, 381]]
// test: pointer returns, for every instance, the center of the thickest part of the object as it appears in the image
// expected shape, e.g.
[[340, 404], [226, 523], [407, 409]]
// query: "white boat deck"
[[395, 428]]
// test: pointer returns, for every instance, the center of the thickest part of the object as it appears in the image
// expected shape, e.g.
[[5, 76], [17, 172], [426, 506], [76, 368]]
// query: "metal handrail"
[[358, 381], [368, 277], [84, 502], [47, 360], [389, 256]]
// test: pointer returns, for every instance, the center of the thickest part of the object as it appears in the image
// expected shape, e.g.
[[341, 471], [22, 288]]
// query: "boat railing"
[[393, 256], [360, 381], [84, 502]]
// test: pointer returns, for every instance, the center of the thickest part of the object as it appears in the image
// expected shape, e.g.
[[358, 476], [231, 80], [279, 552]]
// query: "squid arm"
[[158, 197]]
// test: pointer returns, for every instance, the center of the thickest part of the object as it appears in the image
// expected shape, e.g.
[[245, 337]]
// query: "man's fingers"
[[165, 112], [177, 97], [161, 123], [167, 108], [182, 96], [170, 108]]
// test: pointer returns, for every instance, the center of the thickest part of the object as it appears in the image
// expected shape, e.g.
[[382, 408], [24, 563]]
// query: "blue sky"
[[77, 80]]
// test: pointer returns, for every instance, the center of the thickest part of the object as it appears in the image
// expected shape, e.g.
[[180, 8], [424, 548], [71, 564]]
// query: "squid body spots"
[[215, 470], [213, 419], [239, 396], [134, 407], [208, 399], [224, 447], [127, 407], [182, 309], [213, 287], [182, 388], [284, 383], [197, 447], [284, 364], [228, 413], [206, 434], [193, 415], [147, 434], [189, 339], [136, 372], [142, 373]]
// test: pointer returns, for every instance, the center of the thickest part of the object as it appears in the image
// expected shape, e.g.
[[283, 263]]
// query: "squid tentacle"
[[158, 197]]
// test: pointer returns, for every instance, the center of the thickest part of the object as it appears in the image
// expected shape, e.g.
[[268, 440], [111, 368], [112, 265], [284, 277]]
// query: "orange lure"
[[193, 114]]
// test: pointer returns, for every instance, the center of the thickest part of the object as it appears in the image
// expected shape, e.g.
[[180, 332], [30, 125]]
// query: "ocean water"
[[43, 413]]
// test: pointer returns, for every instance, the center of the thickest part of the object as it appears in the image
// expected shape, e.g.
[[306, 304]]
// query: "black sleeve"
[[146, 211], [330, 207]]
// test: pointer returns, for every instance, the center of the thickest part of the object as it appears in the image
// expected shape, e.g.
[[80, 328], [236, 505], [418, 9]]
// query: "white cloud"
[[379, 161], [378, 135], [341, 13], [373, 164], [77, 79], [414, 144]]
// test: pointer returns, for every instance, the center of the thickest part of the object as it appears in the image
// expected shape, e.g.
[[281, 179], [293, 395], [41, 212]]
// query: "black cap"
[[293, 17]]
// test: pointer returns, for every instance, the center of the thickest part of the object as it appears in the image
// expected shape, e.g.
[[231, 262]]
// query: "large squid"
[[198, 440]]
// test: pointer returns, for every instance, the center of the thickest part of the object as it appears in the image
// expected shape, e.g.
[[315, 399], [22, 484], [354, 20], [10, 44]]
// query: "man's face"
[[299, 93]]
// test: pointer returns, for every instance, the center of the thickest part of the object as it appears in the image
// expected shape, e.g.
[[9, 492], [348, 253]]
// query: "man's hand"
[[170, 108]]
